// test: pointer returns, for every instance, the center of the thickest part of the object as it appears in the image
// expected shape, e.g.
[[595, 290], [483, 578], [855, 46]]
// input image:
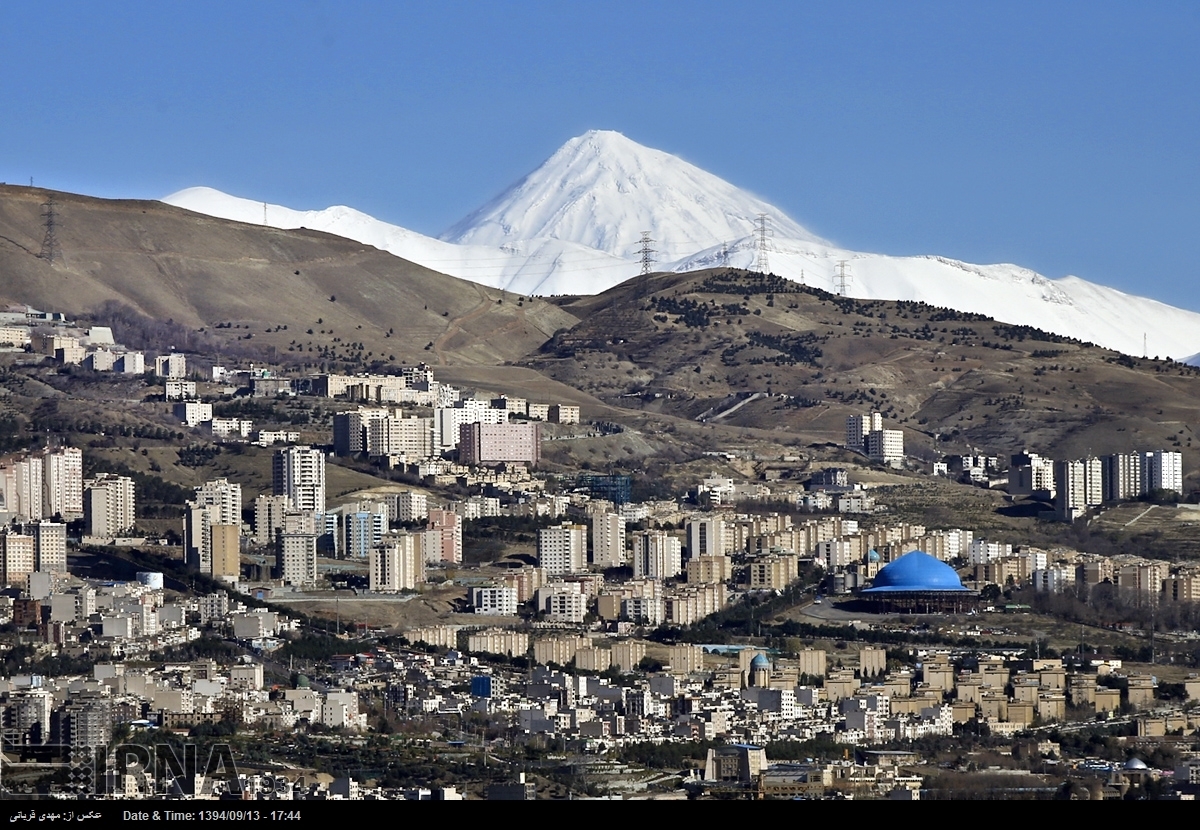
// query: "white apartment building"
[[608, 540], [225, 499], [22, 490], [411, 506], [173, 366], [562, 604], [350, 429], [398, 564], [495, 601], [656, 555], [982, 551], [296, 558], [1162, 470], [131, 363], [50, 546], [1122, 476], [180, 390], [1078, 486], [62, 481], [447, 421], [231, 427], [409, 438], [108, 505], [193, 413], [708, 536], [17, 557], [858, 427], [1055, 579], [299, 474], [886, 446], [563, 549]]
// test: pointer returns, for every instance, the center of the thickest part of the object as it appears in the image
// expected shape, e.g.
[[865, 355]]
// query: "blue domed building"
[[919, 583]]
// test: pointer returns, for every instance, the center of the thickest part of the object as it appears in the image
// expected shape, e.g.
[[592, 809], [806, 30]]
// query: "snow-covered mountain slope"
[[535, 266], [603, 190], [574, 226]]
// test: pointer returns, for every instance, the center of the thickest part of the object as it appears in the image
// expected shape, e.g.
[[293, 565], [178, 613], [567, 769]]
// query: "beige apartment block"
[[939, 675], [969, 689], [1107, 700], [1141, 690], [628, 654], [593, 659], [498, 641], [1026, 689], [994, 706], [1052, 706], [872, 662], [559, 650], [812, 662], [964, 712], [898, 684], [1055, 678], [686, 659], [1021, 712], [1082, 689], [840, 684]]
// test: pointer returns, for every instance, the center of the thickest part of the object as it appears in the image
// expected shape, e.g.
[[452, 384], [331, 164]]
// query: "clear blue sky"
[[1058, 136]]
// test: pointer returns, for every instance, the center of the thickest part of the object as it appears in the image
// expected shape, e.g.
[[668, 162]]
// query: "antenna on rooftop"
[[842, 279], [647, 253], [50, 246], [763, 233]]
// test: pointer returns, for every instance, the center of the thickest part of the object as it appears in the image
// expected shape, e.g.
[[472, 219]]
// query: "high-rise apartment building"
[[397, 564], [50, 546], [563, 549], [447, 525], [62, 482], [17, 557], [296, 558], [608, 540], [858, 427], [656, 555], [1078, 485], [225, 499], [1162, 470], [108, 505], [299, 474], [707, 536]]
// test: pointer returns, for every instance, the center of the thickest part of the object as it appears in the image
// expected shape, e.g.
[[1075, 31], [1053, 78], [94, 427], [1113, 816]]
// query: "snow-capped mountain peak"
[[603, 190], [574, 226]]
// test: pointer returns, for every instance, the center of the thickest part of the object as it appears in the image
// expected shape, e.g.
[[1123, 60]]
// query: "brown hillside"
[[694, 345], [170, 263]]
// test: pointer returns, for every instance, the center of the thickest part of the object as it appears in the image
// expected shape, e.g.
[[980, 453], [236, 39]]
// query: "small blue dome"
[[916, 571], [872, 555], [760, 661]]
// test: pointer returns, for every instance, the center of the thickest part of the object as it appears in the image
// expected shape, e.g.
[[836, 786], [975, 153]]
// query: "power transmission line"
[[50, 247], [842, 279], [763, 233], [647, 253]]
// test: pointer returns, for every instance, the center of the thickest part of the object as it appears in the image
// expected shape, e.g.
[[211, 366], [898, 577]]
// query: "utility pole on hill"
[[761, 265], [842, 279], [647, 253], [50, 246]]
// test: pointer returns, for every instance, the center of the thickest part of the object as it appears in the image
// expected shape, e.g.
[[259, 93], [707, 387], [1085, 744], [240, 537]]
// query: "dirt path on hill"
[[455, 326]]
